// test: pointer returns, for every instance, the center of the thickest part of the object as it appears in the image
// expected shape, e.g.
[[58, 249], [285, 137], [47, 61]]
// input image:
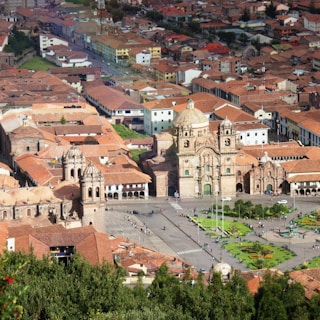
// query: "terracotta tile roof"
[[283, 150], [36, 168], [234, 114], [309, 279], [167, 103], [111, 98], [244, 159], [66, 190], [130, 254], [304, 177], [93, 246], [303, 166], [250, 126]]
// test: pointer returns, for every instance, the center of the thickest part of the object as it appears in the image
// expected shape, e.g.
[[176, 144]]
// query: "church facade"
[[205, 163]]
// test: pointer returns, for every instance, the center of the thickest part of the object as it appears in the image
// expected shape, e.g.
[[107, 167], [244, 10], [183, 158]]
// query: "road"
[[108, 68], [183, 238]]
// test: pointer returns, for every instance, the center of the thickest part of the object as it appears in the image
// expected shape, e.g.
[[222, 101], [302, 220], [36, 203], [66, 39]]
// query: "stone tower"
[[74, 163], [228, 152], [92, 193]]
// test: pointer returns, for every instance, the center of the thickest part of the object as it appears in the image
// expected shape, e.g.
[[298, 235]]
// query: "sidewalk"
[[120, 224]]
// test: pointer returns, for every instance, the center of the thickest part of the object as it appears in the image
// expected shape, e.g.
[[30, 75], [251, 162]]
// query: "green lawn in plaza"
[[309, 221], [313, 263], [37, 64], [256, 255], [232, 227]]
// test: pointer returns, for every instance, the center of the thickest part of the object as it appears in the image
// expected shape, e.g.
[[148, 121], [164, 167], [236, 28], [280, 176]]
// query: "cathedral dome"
[[91, 170], [44, 193], [73, 152], [6, 199], [190, 117], [24, 196]]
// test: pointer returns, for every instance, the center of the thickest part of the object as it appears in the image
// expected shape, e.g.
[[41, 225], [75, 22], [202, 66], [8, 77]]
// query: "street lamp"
[[222, 222]]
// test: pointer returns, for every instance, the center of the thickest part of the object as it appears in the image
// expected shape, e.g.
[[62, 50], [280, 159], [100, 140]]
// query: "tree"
[[245, 15], [314, 307], [154, 15], [243, 38], [228, 37], [117, 15], [161, 289], [240, 298], [271, 10], [63, 120], [194, 26], [18, 42], [269, 306]]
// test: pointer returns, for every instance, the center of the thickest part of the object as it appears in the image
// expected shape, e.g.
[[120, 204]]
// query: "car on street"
[[282, 201]]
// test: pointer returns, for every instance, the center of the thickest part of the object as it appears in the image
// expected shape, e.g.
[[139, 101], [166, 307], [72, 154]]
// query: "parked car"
[[282, 201]]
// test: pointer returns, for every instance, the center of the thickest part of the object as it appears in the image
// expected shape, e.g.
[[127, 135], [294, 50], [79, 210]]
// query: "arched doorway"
[[171, 191], [269, 189], [239, 187], [207, 190]]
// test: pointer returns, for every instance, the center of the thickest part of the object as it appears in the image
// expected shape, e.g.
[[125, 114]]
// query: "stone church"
[[201, 164], [81, 192]]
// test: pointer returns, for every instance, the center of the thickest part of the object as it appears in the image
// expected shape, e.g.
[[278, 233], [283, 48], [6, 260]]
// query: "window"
[[207, 168], [228, 170], [186, 172], [28, 148], [186, 144], [155, 129], [169, 112]]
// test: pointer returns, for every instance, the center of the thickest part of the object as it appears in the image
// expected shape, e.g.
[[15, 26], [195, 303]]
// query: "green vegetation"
[[85, 3], [45, 289], [18, 42], [256, 255], [126, 133], [313, 263], [37, 64], [309, 221], [232, 228], [247, 209], [136, 152]]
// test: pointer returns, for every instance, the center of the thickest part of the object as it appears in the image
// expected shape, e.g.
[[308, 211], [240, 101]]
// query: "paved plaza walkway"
[[121, 223]]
